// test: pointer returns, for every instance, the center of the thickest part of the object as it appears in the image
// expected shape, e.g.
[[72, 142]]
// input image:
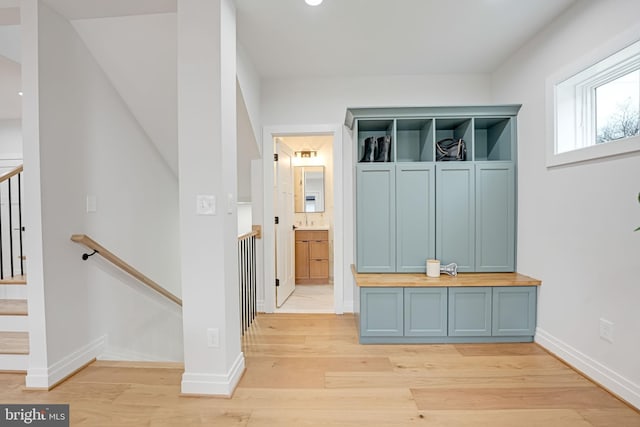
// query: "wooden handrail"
[[256, 230], [11, 173], [111, 257], [247, 235]]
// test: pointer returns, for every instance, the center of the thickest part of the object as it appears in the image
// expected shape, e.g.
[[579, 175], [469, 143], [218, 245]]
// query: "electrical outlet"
[[213, 337], [606, 330]]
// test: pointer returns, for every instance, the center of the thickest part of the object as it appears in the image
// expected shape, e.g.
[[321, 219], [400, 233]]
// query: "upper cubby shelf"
[[493, 138], [410, 134], [414, 140], [371, 140]]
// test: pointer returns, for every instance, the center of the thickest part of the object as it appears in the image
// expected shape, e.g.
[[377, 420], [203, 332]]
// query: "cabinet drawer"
[[319, 249], [318, 269], [312, 235]]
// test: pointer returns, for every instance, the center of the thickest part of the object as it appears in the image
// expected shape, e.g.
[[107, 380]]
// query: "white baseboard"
[[14, 362], [599, 373], [211, 384], [348, 307], [51, 375]]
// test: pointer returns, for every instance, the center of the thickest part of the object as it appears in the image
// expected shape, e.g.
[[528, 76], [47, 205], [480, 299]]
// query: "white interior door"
[[284, 229]]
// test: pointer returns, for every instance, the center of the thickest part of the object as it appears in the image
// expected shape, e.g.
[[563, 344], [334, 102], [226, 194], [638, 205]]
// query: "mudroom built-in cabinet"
[[414, 207]]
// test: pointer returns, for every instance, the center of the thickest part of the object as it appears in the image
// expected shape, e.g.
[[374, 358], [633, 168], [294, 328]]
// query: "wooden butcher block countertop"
[[408, 280]]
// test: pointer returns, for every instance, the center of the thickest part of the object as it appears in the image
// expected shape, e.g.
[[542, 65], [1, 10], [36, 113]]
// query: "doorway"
[[318, 145], [305, 225]]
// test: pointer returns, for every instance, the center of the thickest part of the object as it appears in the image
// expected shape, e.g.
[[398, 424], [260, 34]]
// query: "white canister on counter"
[[433, 268]]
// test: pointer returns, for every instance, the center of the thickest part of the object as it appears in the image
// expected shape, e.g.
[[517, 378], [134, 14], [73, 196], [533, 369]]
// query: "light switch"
[[91, 204], [229, 203], [206, 204]]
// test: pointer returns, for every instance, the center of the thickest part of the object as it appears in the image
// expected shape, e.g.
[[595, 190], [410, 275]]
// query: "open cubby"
[[414, 140], [493, 138], [455, 128], [375, 128]]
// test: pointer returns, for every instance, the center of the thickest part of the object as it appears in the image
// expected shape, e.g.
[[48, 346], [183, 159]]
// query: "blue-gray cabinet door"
[[514, 311], [495, 217], [425, 312], [381, 312], [415, 216], [376, 218], [470, 311], [455, 214]]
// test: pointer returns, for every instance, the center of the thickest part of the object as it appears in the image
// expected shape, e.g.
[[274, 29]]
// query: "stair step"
[[14, 362], [13, 291], [15, 280], [13, 307], [14, 343], [14, 323]]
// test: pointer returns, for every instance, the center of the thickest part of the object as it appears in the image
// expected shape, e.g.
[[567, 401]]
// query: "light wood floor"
[[308, 369]]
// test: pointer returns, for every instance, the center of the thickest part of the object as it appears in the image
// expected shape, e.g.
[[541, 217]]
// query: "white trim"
[[11, 157], [14, 324], [212, 384], [270, 132], [49, 376], [14, 362], [611, 380], [591, 152]]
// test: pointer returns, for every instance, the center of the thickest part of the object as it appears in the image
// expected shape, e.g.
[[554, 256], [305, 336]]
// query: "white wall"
[[10, 85], [250, 91], [90, 144], [324, 100], [304, 102], [10, 138], [208, 160], [575, 223]]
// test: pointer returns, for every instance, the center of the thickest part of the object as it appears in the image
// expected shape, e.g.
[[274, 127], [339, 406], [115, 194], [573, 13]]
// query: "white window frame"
[[571, 112]]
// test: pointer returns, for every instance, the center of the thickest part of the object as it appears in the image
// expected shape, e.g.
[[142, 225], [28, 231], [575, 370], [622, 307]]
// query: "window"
[[618, 108], [594, 106]]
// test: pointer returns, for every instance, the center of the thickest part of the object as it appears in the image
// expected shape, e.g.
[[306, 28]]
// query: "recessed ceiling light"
[[313, 2], [20, 93]]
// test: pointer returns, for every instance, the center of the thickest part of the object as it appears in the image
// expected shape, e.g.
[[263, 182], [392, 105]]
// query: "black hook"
[[86, 256]]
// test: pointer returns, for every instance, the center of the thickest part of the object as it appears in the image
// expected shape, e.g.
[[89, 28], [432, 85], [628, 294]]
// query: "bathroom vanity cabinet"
[[312, 256]]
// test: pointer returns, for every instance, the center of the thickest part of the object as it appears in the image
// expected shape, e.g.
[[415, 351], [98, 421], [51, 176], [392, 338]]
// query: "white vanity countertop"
[[312, 227]]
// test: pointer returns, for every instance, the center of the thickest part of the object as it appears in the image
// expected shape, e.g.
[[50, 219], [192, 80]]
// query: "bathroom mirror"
[[309, 188]]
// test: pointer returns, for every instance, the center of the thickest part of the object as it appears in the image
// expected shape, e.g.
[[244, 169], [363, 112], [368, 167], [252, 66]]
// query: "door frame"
[[268, 134]]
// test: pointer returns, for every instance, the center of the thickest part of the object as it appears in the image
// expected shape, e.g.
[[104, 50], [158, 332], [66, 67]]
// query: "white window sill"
[[593, 152]]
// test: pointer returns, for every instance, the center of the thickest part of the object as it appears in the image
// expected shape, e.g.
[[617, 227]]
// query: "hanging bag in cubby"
[[450, 149]]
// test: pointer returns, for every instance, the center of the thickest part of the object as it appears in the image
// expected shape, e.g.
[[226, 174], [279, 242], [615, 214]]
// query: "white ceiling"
[[134, 42], [287, 38]]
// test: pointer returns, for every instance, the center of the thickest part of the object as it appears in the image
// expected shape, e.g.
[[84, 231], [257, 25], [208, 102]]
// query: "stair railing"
[[11, 228], [118, 262], [247, 274]]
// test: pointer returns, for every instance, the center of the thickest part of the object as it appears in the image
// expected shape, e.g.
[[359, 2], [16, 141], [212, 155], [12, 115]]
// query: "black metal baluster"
[[244, 282], [254, 290], [248, 278], [10, 230], [20, 223], [243, 285], [241, 288]]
